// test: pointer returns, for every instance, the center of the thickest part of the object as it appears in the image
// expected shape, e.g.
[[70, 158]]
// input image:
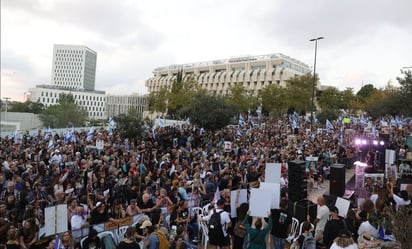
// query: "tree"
[[331, 98], [299, 92], [240, 98], [158, 100], [130, 125], [366, 91], [210, 112], [274, 99], [28, 106], [65, 113], [405, 92]]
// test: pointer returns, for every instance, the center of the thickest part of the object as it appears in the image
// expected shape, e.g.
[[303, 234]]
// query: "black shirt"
[[332, 228], [280, 223]]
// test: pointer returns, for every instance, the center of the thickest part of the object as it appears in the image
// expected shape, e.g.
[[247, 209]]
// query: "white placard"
[[241, 199], [343, 206], [56, 219], [259, 204], [272, 172], [274, 189]]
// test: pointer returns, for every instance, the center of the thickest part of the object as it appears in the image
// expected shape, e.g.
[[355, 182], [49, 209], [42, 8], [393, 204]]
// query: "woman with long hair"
[[28, 233], [344, 241], [129, 241]]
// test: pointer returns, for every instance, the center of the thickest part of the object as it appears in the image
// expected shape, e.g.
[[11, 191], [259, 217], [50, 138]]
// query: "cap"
[[146, 223], [99, 203], [334, 209]]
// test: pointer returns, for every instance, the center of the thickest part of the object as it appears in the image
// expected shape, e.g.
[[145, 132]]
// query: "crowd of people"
[[170, 170]]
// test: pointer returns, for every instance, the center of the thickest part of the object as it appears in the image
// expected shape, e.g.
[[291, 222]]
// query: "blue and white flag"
[[16, 137], [238, 134], [47, 134], [153, 132], [202, 130], [57, 243], [51, 145], [295, 125], [112, 125], [329, 125], [162, 122], [341, 134], [217, 195], [374, 133], [90, 134], [241, 120]]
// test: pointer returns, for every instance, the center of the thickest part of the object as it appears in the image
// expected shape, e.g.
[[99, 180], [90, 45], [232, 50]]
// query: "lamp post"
[[314, 80]]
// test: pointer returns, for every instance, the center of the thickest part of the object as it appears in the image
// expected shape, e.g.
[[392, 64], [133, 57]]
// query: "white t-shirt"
[[76, 222], [353, 246], [367, 227], [399, 201], [224, 219], [322, 216]]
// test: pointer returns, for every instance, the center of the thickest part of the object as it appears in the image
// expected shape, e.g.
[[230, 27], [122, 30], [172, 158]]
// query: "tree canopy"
[[65, 113]]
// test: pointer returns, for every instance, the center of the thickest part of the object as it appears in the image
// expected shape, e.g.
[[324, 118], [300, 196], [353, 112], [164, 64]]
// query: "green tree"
[[274, 100], [130, 125], [366, 91], [298, 94], [210, 112], [28, 106], [158, 100], [331, 98], [240, 98], [405, 92], [65, 113]]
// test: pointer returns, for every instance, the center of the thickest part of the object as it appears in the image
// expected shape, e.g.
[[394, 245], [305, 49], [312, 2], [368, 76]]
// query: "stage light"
[[382, 143], [375, 142], [357, 141], [359, 163], [364, 142]]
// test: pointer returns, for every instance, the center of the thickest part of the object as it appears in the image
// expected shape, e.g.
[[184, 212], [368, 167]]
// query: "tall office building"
[[74, 67], [218, 76]]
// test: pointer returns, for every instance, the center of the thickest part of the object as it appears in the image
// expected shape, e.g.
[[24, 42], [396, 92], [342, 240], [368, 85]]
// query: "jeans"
[[278, 243]]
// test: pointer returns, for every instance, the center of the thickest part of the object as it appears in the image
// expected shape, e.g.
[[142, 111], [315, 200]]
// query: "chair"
[[293, 230], [104, 233], [120, 233], [82, 241], [206, 208], [205, 233], [197, 210], [300, 231]]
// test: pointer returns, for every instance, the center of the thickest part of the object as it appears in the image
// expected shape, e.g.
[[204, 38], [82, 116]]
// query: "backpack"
[[216, 236], [163, 242], [309, 242]]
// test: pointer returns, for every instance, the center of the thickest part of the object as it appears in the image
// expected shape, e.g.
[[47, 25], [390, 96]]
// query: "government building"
[[218, 76], [74, 72]]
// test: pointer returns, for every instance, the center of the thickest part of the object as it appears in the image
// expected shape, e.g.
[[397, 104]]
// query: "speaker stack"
[[297, 180], [337, 180]]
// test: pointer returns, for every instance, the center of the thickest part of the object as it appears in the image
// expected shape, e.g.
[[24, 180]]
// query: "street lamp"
[[314, 79]]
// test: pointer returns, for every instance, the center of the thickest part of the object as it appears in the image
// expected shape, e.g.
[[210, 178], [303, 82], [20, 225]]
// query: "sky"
[[365, 42]]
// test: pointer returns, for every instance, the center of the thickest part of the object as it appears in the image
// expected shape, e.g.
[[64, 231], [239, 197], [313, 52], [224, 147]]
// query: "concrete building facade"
[[74, 67], [121, 104], [218, 76]]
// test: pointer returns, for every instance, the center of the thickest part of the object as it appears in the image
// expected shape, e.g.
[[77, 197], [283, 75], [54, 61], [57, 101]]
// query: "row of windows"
[[67, 63], [76, 97], [58, 59], [86, 106], [66, 74], [68, 51]]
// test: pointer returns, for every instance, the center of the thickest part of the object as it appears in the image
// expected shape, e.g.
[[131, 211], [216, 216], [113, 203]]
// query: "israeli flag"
[[374, 131], [58, 243], [51, 145], [341, 135], [295, 125], [47, 134], [90, 134], [16, 137], [238, 134], [329, 125], [241, 120], [202, 130], [112, 125], [161, 122]]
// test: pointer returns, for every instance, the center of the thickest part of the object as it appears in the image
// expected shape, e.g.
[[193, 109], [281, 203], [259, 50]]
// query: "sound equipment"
[[301, 209], [337, 180], [297, 178]]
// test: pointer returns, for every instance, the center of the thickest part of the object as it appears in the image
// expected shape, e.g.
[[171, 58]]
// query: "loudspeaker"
[[337, 180], [300, 210], [297, 178]]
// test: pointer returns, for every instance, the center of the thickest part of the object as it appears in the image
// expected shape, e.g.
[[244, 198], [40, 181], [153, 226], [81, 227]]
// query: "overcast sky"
[[366, 42]]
